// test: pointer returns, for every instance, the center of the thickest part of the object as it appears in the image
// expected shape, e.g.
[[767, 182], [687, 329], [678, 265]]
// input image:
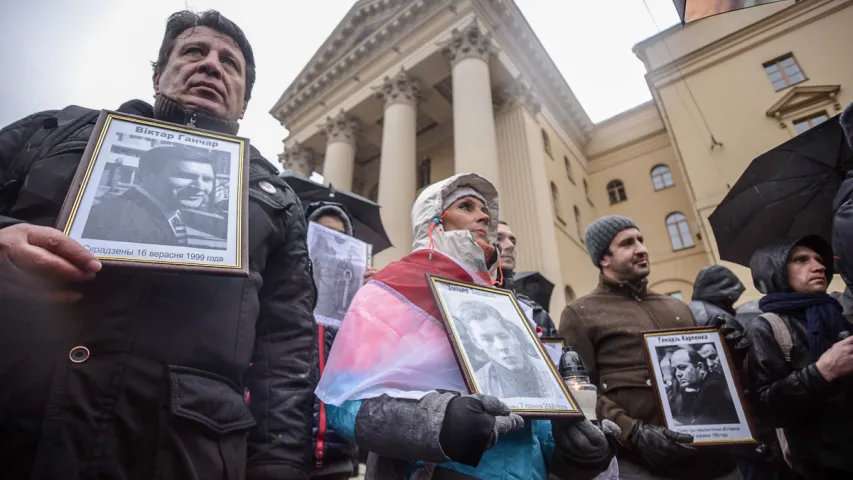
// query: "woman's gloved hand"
[[472, 425], [659, 446]]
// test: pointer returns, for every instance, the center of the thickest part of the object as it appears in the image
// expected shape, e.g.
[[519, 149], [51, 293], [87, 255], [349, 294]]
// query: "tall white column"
[[397, 165], [300, 159], [526, 202], [474, 140], [341, 132]]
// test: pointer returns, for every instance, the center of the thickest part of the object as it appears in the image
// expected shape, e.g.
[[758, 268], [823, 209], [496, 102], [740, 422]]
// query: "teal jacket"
[[525, 454]]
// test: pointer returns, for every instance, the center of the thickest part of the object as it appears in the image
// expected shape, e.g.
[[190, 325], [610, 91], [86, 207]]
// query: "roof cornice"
[[795, 16], [330, 64]]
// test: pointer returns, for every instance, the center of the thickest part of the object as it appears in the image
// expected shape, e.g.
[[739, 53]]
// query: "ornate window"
[[555, 199], [784, 72], [679, 231], [578, 223], [662, 177], [424, 172], [806, 123], [546, 144], [616, 192], [569, 172]]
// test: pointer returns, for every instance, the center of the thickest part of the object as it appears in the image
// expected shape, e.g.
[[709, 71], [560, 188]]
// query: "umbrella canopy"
[[367, 224], [692, 10], [535, 286], [784, 193]]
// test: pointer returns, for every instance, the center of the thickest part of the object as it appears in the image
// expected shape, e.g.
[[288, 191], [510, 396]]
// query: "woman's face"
[[468, 213]]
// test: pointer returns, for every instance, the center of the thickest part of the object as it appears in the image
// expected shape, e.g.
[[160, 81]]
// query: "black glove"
[[472, 425], [735, 338], [584, 443], [659, 446]]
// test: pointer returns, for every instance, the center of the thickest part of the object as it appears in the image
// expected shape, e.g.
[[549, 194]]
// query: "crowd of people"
[[141, 373]]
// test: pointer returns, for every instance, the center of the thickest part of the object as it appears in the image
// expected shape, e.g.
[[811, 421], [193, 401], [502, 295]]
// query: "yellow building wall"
[[734, 93], [627, 148]]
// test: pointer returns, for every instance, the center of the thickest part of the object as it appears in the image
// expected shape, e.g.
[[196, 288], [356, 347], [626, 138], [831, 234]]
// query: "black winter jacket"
[[815, 414], [160, 393], [332, 454], [540, 313], [714, 293]]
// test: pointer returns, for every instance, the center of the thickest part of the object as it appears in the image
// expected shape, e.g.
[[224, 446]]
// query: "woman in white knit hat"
[[391, 384]]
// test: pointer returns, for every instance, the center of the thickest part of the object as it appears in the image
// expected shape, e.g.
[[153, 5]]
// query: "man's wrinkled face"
[[507, 241], [806, 271], [687, 374], [500, 345], [712, 358], [189, 184], [205, 71], [627, 259]]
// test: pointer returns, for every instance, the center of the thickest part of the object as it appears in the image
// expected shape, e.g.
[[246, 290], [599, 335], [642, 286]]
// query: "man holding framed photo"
[[133, 373], [605, 328]]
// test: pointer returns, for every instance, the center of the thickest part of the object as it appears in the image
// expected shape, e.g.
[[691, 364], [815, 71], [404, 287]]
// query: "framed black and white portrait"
[[339, 262], [497, 349], [153, 194], [698, 391]]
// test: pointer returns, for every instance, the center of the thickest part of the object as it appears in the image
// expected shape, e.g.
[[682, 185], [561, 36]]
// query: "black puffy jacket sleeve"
[[784, 396], [284, 364], [842, 228], [13, 139]]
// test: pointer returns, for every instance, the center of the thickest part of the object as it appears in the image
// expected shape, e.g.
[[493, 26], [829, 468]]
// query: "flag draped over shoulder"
[[393, 340]]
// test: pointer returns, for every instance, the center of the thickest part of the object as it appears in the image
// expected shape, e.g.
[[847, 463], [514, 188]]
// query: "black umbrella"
[[535, 286], [692, 10], [786, 192], [367, 224]]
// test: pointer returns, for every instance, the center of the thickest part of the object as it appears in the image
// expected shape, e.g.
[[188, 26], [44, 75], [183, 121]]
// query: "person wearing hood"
[[391, 382], [507, 241], [800, 360], [139, 373], [334, 457], [715, 292]]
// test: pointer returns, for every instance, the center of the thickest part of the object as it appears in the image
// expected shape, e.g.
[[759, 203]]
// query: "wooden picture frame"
[[497, 349], [700, 366], [151, 194]]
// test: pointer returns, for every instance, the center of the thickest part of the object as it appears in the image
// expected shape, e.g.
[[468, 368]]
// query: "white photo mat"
[[339, 263], [116, 133], [556, 401], [727, 420]]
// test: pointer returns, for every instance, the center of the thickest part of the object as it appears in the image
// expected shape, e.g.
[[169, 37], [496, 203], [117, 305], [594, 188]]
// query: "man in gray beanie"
[[604, 327]]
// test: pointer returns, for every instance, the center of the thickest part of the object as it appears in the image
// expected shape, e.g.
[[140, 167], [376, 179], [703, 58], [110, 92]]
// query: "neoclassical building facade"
[[404, 93]]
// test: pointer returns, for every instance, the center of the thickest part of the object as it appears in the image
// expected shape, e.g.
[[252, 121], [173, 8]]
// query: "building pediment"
[[804, 97], [367, 26]]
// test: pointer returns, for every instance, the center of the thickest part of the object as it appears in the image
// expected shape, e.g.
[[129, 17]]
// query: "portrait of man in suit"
[[170, 179]]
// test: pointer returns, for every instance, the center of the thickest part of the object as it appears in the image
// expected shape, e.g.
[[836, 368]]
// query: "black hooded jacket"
[[714, 293], [815, 414], [160, 393]]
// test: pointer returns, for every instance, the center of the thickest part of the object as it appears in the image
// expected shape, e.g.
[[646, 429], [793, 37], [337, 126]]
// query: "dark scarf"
[[169, 110], [824, 320]]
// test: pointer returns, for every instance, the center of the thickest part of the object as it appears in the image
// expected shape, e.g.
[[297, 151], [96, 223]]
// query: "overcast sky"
[[96, 53]]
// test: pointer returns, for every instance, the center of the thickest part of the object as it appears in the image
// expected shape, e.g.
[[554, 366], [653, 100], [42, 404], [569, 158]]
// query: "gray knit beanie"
[[601, 232]]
